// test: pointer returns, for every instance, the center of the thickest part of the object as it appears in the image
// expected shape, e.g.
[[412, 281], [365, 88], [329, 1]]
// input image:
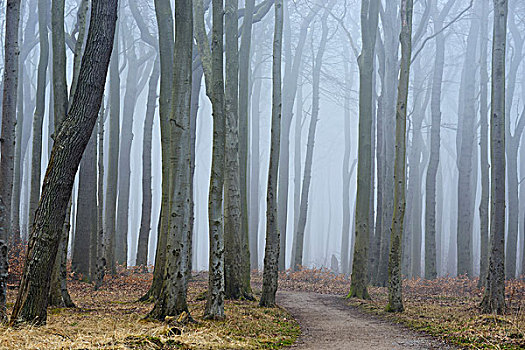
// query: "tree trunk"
[[172, 299], [466, 136], [395, 298], [271, 254], [7, 142], [145, 222], [249, 228], [67, 152], [369, 19], [39, 109], [166, 41], [494, 295], [307, 177], [101, 237], [113, 155]]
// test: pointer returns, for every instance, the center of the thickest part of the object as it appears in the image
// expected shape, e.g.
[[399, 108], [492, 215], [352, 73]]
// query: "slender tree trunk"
[[69, 145], [248, 229], [7, 142], [494, 296], [145, 222], [395, 298], [297, 163], [369, 19], [39, 109], [271, 254], [298, 262], [113, 154], [101, 237]]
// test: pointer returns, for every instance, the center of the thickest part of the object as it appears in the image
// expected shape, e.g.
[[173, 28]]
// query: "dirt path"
[[327, 323]]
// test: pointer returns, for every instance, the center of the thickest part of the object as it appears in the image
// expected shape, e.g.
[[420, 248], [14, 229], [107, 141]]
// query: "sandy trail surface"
[[328, 323]]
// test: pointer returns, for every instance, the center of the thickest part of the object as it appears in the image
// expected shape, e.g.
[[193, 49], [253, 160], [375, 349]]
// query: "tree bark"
[[369, 19], [145, 222], [494, 295], [172, 299], [67, 152], [395, 297], [7, 141], [271, 254], [38, 118]]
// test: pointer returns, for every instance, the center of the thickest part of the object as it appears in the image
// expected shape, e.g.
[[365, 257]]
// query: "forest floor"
[[111, 318], [446, 309]]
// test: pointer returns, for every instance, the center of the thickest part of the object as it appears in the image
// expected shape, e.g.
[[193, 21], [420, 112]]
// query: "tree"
[[145, 221], [7, 141], [369, 19], [67, 151], [395, 299], [271, 253], [164, 17], [494, 295], [38, 119], [318, 61], [435, 141], [172, 299]]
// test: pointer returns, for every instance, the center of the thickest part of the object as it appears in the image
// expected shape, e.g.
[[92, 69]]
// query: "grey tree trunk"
[[7, 142], [172, 299], [297, 162], [235, 261], [164, 17], [271, 253], [249, 228], [369, 19], [86, 214], [38, 119], [145, 222], [291, 76], [494, 295], [512, 145], [466, 139], [255, 175], [395, 297], [391, 23], [435, 145], [69, 145], [113, 154], [307, 177], [101, 237]]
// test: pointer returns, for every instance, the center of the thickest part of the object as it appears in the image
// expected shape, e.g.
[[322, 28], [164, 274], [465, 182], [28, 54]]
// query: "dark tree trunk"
[[67, 152]]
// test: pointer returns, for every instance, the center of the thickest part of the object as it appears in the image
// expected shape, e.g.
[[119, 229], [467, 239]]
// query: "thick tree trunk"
[[271, 254], [7, 141], [395, 297], [369, 19], [164, 17], [67, 152], [145, 221], [172, 299]]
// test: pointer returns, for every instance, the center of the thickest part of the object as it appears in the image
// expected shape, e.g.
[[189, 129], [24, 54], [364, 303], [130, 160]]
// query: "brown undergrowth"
[[446, 307], [111, 318]]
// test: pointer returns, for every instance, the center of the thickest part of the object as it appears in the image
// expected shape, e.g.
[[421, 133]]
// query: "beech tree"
[[70, 142]]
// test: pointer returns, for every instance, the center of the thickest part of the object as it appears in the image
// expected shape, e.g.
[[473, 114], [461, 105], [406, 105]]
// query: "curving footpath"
[[327, 323]]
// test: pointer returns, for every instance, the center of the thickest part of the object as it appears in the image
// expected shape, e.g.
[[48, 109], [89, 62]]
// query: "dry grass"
[[112, 319]]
